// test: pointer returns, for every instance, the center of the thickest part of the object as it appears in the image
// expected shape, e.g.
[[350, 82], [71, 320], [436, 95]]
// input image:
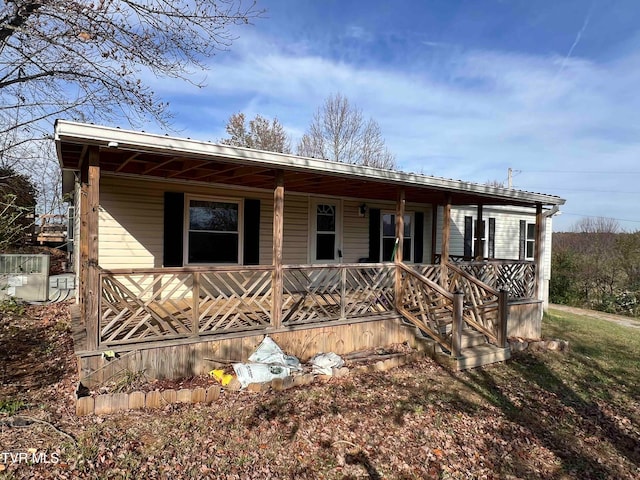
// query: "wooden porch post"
[[89, 274], [537, 250], [400, 239], [479, 246], [503, 317], [446, 232], [434, 231], [400, 225], [277, 280], [457, 325]]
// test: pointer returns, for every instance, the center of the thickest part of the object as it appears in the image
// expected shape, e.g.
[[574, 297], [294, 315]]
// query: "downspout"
[[545, 293]]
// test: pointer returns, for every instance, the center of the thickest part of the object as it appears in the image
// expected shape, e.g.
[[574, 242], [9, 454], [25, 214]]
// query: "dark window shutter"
[[418, 241], [492, 238], [523, 239], [374, 235], [251, 248], [468, 236], [173, 248]]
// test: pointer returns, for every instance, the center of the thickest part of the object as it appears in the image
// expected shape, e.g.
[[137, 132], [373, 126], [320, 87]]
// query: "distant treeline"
[[597, 268]]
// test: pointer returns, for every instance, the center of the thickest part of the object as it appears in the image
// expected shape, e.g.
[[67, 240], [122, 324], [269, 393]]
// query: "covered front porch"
[[176, 304]]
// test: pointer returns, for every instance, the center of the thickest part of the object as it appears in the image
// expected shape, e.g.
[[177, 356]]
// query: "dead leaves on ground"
[[417, 421]]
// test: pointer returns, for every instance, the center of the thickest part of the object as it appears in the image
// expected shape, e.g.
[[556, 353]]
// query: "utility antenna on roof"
[[510, 177]]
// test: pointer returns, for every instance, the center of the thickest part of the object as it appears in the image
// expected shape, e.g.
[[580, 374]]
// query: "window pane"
[[325, 246], [531, 231], [388, 225], [326, 218], [407, 225], [530, 246], [387, 249], [213, 216], [206, 247]]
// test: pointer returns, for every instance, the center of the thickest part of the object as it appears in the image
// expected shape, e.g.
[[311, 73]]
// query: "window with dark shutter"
[[468, 237], [173, 250], [492, 238]]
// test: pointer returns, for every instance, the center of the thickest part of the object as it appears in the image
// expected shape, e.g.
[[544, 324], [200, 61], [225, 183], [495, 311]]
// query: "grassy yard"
[[540, 415]]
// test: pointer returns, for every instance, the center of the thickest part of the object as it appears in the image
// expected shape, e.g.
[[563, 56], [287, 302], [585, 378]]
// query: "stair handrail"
[[453, 344], [499, 336]]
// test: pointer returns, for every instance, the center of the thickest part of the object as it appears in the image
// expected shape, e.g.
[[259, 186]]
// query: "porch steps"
[[476, 351], [473, 357]]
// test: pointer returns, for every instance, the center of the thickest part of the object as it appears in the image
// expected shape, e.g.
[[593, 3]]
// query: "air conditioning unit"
[[24, 277]]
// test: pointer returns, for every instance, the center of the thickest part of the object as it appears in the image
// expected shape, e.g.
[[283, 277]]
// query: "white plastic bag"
[[269, 352], [324, 363], [259, 372]]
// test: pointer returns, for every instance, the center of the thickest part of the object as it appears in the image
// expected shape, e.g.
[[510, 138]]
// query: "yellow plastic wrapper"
[[220, 376]]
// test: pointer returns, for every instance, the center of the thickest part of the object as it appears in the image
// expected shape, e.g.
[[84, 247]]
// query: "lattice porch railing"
[[431, 308], [163, 304], [518, 277], [321, 293], [515, 276]]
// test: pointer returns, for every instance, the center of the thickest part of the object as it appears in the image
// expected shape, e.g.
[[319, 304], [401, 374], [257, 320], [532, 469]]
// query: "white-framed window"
[[527, 240], [213, 230], [487, 241], [325, 241], [388, 241], [531, 240]]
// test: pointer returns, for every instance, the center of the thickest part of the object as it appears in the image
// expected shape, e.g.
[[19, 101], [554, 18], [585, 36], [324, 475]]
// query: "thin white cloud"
[[470, 116]]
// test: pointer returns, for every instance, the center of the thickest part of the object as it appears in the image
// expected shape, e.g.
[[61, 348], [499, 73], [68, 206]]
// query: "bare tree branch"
[[339, 132]]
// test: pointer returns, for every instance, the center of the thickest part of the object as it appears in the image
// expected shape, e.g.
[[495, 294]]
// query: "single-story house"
[[187, 250]]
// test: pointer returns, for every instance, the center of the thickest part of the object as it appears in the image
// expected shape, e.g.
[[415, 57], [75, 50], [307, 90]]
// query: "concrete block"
[[213, 393], [168, 396], [153, 399], [136, 400], [103, 405], [85, 406], [183, 395], [198, 395]]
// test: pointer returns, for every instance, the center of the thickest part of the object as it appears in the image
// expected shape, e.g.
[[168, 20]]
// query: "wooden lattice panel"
[[432, 272], [311, 295], [316, 294], [480, 301], [234, 301], [368, 291], [144, 307], [519, 277], [426, 307]]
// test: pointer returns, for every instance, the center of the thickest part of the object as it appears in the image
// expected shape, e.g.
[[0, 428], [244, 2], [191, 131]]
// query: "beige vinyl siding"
[[131, 222], [266, 230], [355, 237], [296, 223], [131, 219]]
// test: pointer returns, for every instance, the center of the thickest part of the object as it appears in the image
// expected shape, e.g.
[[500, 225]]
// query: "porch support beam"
[[446, 233], [434, 232], [89, 275], [277, 280], [537, 250], [400, 204], [479, 247]]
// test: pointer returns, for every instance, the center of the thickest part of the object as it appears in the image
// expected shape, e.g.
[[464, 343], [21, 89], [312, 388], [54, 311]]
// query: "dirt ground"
[[534, 417]]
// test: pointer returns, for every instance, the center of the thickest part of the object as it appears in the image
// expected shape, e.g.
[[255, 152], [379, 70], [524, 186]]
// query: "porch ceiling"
[[138, 153]]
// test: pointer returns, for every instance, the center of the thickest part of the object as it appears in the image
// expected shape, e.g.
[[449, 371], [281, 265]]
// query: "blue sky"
[[461, 89]]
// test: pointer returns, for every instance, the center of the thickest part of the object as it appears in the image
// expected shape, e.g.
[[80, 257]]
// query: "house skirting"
[[525, 319], [182, 359]]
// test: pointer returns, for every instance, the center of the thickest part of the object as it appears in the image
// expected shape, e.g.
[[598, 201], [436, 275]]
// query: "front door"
[[325, 227]]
